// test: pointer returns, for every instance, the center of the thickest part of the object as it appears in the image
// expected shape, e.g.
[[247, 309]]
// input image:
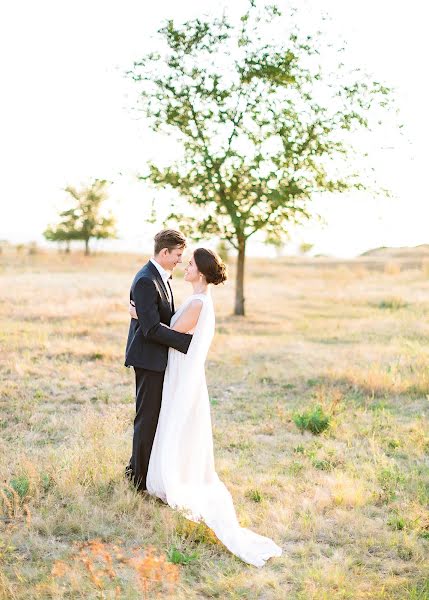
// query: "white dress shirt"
[[165, 277]]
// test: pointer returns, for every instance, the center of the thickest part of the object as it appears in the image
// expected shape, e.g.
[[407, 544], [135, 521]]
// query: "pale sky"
[[65, 114]]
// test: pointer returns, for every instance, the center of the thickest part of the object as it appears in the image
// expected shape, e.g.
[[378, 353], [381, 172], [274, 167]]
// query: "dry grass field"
[[348, 506]]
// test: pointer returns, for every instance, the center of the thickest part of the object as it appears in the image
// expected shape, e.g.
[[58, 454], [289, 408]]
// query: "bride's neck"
[[199, 288]]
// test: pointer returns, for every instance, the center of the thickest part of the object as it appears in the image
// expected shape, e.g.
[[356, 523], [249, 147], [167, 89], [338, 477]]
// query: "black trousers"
[[148, 404]]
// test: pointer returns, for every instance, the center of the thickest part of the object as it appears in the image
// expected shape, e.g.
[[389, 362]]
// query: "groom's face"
[[171, 258]]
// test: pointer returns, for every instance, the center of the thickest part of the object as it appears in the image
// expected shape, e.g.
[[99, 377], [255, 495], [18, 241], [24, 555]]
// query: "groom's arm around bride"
[[148, 339]]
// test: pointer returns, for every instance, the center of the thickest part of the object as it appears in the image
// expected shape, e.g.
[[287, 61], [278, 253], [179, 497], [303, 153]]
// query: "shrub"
[[180, 558], [254, 495], [390, 480], [21, 485], [393, 303], [396, 522], [314, 420], [323, 465]]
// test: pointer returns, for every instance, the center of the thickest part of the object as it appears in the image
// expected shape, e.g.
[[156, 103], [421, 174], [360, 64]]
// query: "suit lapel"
[[159, 279]]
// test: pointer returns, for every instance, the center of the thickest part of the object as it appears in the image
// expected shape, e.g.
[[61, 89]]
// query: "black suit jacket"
[[148, 340]]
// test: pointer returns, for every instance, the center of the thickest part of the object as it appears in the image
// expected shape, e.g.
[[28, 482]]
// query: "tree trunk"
[[87, 247], [239, 279]]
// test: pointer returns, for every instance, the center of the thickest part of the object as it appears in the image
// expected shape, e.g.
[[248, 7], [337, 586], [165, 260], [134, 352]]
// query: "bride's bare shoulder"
[[189, 316]]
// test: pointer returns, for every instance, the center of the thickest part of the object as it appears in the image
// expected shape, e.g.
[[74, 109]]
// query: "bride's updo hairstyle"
[[210, 265]]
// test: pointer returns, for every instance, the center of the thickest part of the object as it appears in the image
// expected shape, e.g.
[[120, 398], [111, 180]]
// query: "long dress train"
[[181, 467]]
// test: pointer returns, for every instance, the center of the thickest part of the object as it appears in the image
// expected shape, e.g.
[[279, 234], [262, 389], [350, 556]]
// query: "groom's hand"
[[132, 310]]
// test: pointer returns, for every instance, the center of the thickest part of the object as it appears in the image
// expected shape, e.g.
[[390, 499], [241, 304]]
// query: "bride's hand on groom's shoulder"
[[132, 310]]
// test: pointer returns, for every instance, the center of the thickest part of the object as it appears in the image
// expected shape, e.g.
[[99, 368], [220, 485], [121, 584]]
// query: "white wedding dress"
[[181, 468]]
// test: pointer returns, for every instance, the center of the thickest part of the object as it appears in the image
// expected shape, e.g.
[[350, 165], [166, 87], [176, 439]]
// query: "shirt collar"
[[164, 274]]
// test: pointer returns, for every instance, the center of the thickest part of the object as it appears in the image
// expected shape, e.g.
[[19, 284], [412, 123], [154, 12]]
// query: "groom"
[[148, 343]]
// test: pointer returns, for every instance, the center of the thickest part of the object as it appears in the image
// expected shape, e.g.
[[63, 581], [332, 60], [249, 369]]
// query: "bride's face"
[[191, 271]]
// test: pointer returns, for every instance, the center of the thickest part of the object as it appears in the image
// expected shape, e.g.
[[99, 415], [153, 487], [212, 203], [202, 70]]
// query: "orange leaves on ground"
[[104, 564]]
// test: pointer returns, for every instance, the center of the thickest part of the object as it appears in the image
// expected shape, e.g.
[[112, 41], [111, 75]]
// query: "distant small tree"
[[305, 247], [277, 243], [84, 220], [64, 231]]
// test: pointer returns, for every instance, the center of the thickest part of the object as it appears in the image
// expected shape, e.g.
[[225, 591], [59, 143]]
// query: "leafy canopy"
[[262, 124]]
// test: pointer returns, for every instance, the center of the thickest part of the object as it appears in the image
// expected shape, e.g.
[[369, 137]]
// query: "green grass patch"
[[254, 495], [390, 480], [177, 557], [314, 420], [396, 522], [419, 591]]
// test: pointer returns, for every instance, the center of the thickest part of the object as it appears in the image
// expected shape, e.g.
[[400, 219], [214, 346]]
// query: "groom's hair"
[[169, 238]]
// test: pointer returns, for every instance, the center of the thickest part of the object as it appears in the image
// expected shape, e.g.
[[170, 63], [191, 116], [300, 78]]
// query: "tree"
[[305, 247], [65, 231], [84, 220], [262, 125]]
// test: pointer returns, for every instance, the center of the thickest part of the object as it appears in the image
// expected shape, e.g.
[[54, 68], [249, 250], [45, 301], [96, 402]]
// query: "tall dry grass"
[[349, 507]]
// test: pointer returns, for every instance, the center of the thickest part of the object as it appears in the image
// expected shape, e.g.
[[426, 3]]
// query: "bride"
[[181, 468]]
